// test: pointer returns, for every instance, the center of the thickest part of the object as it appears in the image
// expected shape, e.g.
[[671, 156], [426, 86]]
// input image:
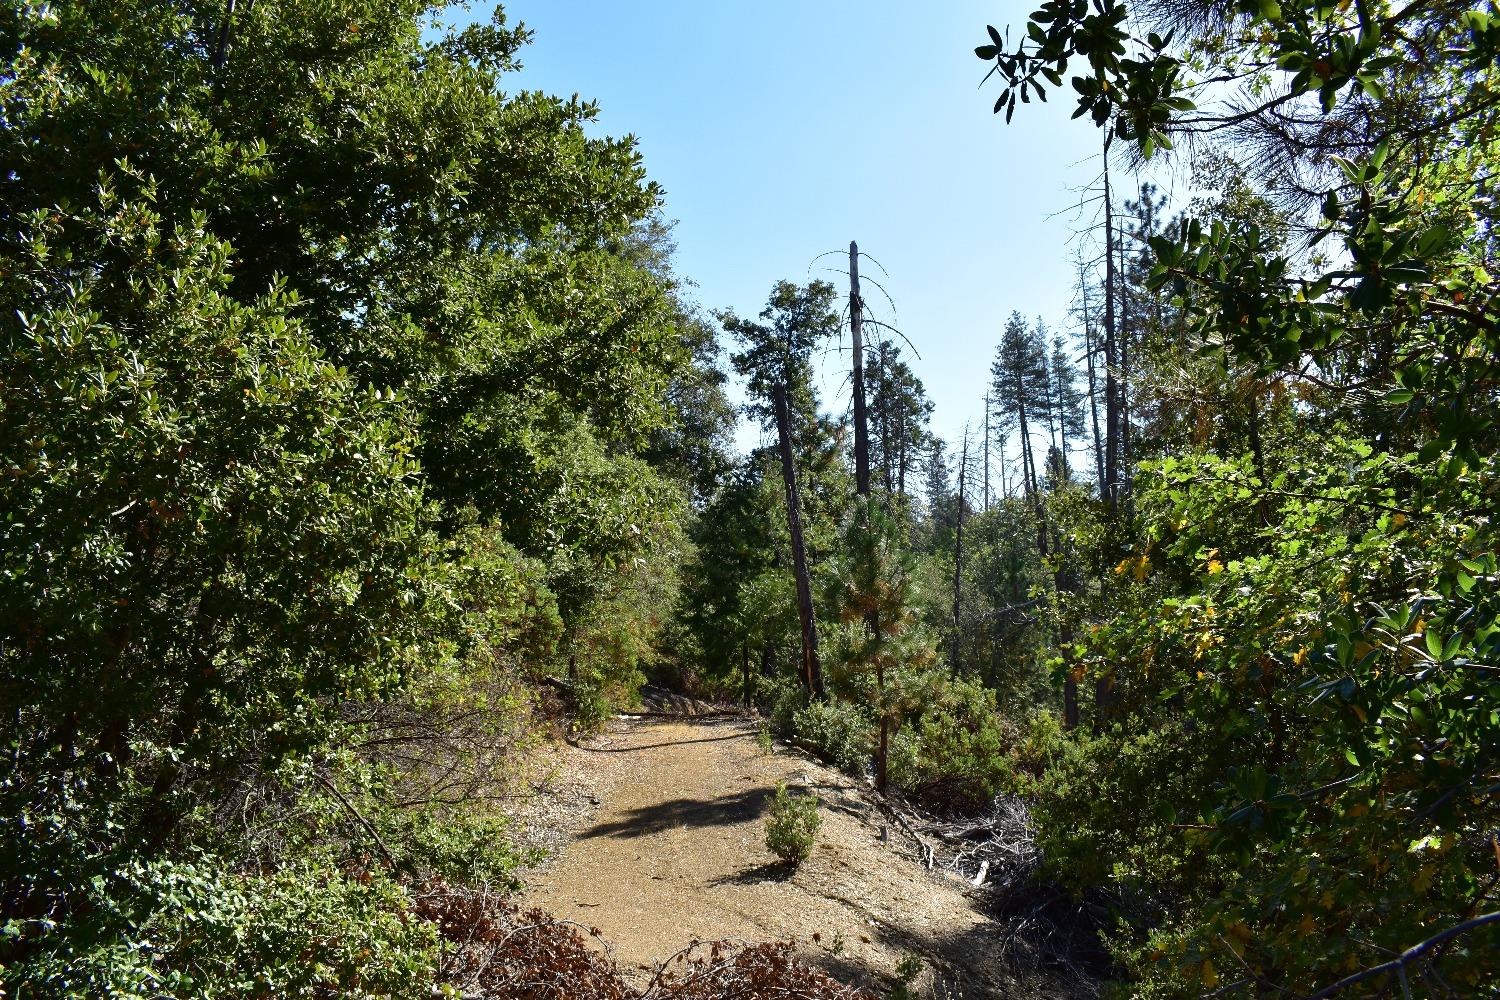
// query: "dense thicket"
[[332, 378], [1287, 776]]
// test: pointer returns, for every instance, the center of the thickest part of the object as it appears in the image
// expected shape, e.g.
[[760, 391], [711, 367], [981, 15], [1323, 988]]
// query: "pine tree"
[[899, 415], [1067, 402], [875, 591], [1019, 389], [1020, 394]]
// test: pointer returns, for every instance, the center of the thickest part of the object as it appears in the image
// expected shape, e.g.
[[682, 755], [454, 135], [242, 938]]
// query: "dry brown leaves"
[[497, 951]]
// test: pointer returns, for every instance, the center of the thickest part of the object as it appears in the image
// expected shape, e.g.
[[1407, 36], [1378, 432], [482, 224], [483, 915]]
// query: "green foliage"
[[785, 698], [792, 823], [955, 754], [779, 350], [1293, 659], [763, 739], [886, 656], [836, 730], [908, 969], [329, 369], [185, 928]]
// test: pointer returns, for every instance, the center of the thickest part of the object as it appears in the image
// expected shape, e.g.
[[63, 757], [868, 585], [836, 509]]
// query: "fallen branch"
[[929, 854]]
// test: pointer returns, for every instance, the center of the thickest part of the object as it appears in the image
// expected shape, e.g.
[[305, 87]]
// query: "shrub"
[[783, 698], [837, 731], [792, 825], [187, 929], [907, 970], [763, 739], [956, 756]]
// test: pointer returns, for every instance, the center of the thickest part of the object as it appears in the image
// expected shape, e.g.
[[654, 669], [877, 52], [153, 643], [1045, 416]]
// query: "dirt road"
[[675, 851]]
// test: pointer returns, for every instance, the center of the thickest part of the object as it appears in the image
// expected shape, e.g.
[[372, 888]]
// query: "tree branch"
[[1401, 961]]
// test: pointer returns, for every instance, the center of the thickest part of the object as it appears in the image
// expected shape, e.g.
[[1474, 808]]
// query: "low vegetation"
[[792, 824]]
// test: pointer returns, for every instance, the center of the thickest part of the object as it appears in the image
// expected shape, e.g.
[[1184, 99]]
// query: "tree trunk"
[[901, 455], [1127, 480], [958, 549], [861, 429], [1088, 356], [1028, 472], [1111, 387], [812, 674], [745, 670], [986, 453]]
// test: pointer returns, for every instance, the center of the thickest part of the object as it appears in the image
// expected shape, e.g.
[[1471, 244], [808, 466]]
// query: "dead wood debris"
[[497, 951], [996, 854]]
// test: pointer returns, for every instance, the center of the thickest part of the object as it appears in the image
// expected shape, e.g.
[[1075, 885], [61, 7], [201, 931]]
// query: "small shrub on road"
[[792, 825]]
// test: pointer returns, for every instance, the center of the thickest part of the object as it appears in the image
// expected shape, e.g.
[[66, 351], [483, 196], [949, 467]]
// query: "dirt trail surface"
[[674, 850]]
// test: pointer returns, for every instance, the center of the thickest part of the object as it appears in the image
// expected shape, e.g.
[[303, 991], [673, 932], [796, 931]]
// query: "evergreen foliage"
[[792, 823]]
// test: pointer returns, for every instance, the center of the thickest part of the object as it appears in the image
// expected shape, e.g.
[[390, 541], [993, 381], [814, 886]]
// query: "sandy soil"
[[673, 849]]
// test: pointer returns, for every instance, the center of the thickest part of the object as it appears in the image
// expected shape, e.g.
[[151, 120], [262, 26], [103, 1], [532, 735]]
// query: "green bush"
[[188, 929], [782, 698], [792, 825], [837, 731], [957, 755], [763, 739]]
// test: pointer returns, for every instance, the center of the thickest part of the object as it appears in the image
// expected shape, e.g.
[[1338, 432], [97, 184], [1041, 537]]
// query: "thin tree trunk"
[[986, 453], [1028, 472], [1127, 480], [958, 549], [1004, 473], [745, 670], [901, 454], [1111, 387], [1062, 418], [812, 675], [1070, 702], [1088, 356], [861, 429], [1113, 451]]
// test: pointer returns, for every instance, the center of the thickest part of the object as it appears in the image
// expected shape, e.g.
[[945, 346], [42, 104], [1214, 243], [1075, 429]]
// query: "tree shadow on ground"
[[770, 871], [668, 743], [991, 961], [725, 810]]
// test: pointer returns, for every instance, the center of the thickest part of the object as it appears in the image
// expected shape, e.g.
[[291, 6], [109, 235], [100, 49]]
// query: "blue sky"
[[781, 130]]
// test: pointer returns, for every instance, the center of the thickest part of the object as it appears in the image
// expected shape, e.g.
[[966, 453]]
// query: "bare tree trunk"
[[1111, 367], [1088, 357], [1113, 450], [986, 453], [958, 550], [812, 674], [861, 429]]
